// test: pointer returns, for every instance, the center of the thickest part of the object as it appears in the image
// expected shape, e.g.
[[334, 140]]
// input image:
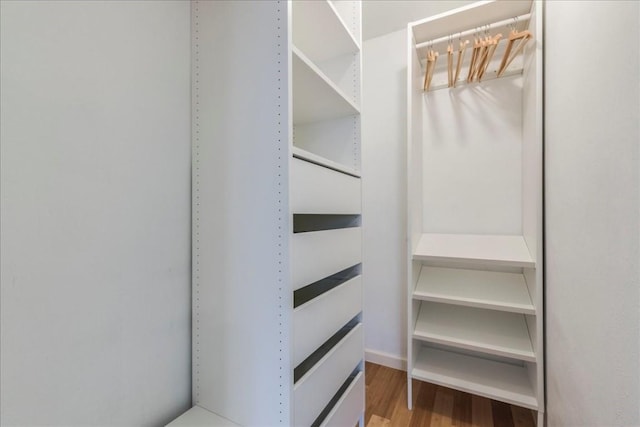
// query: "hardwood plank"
[[370, 369], [442, 408], [383, 399], [423, 407], [377, 421], [522, 417], [396, 387], [501, 414], [416, 385], [401, 415], [462, 409], [372, 389], [481, 412]]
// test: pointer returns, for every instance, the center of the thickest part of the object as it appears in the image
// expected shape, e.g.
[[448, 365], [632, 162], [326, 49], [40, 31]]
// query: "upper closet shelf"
[[315, 97], [487, 331], [498, 250], [320, 32], [473, 16]]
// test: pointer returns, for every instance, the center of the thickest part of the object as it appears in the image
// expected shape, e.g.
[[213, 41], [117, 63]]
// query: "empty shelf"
[[313, 18], [322, 161], [493, 332], [315, 97], [495, 380], [474, 288], [473, 15], [498, 250]]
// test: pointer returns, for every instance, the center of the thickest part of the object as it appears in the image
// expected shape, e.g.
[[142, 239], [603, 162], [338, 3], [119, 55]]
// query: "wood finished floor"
[[433, 406]]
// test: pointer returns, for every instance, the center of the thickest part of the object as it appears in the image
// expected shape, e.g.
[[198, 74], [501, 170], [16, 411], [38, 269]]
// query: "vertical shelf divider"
[[273, 143]]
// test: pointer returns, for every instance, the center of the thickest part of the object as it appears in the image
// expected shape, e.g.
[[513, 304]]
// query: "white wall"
[[592, 213], [95, 215], [384, 128], [381, 17], [383, 195]]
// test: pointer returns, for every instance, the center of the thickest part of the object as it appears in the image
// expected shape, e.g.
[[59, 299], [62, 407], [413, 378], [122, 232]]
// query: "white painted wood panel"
[[315, 96], [532, 192], [318, 190], [474, 288], [498, 250], [349, 408], [317, 320], [495, 380], [319, 254], [489, 331], [242, 133], [316, 388], [200, 417]]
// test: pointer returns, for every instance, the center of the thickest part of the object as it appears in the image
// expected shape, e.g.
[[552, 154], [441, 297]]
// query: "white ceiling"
[[380, 17]]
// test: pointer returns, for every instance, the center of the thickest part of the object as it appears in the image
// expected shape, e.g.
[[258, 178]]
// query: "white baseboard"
[[385, 359]]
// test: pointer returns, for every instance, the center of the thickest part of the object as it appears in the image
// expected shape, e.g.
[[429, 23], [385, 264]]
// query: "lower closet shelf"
[[495, 380], [494, 332]]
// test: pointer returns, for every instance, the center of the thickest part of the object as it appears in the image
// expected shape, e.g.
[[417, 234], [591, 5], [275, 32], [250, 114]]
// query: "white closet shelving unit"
[[277, 294], [475, 299]]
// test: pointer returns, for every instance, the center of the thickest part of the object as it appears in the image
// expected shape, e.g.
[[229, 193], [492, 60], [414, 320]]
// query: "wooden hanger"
[[450, 63], [510, 53], [426, 72], [432, 57], [493, 45], [461, 50], [482, 56], [477, 45], [432, 61]]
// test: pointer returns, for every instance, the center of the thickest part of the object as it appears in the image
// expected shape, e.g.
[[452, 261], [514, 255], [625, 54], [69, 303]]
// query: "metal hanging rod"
[[473, 31]]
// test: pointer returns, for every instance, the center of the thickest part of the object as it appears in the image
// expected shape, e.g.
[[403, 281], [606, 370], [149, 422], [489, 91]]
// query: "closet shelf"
[[490, 250], [474, 15], [493, 332], [495, 380], [321, 161], [474, 288], [315, 96], [319, 17]]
